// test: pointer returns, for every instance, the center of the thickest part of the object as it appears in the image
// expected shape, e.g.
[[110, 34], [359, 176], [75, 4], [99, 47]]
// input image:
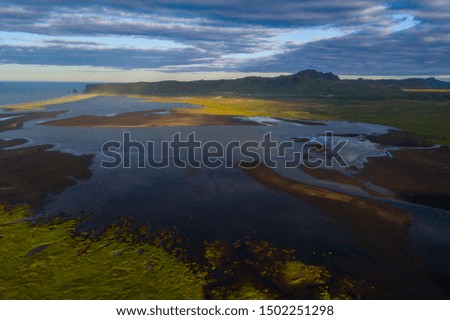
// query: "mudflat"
[[16, 120], [28, 175], [153, 118]]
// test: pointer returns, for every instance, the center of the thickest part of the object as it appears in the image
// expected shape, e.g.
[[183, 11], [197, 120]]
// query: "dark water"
[[21, 92], [226, 204]]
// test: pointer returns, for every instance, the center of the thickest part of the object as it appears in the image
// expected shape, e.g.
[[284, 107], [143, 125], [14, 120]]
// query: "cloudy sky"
[[131, 40]]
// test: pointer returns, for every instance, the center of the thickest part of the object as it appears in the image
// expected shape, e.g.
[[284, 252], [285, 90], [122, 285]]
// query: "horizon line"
[[86, 74]]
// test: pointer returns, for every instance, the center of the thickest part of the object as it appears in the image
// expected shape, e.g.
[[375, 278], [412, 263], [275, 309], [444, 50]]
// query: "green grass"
[[428, 119], [48, 260], [73, 268], [239, 106]]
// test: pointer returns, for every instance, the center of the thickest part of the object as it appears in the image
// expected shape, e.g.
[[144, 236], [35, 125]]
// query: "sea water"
[[22, 92]]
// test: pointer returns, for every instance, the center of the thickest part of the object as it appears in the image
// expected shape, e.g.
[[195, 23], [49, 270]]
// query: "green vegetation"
[[243, 270], [245, 107], [243, 292], [42, 104], [304, 84], [297, 274], [428, 119], [46, 261], [420, 106]]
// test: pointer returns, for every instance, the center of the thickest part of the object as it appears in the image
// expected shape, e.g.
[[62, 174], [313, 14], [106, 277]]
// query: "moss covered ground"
[[46, 261]]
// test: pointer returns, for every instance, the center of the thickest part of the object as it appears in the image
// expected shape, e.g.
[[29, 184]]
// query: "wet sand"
[[335, 176], [388, 256], [302, 122], [383, 253], [417, 172], [28, 175], [400, 138], [336, 202], [418, 176], [38, 105], [17, 120], [154, 118]]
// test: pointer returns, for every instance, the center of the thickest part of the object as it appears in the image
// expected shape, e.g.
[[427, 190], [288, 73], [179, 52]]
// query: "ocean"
[[21, 92]]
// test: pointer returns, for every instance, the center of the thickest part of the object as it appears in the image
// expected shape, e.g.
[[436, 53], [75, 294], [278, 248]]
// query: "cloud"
[[367, 53], [349, 37], [67, 55]]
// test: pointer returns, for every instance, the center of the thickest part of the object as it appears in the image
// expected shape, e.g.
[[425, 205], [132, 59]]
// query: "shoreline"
[[375, 225], [140, 119], [51, 172], [42, 104], [17, 120], [380, 231]]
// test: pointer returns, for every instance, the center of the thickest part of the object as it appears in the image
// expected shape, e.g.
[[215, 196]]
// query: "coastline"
[[42, 104]]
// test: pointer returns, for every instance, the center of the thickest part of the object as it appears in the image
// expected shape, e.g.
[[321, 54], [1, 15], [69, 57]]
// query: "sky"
[[143, 40]]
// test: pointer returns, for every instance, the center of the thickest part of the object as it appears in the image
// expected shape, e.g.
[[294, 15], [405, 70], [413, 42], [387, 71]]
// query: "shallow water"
[[225, 203]]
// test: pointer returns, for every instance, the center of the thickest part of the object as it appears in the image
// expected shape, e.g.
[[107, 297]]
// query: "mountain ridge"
[[306, 83]]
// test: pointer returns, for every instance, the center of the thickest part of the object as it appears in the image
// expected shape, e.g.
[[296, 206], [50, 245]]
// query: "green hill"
[[304, 84]]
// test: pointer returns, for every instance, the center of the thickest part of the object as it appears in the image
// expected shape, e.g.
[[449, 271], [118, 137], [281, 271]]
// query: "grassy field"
[[46, 261], [246, 107], [50, 260], [428, 119]]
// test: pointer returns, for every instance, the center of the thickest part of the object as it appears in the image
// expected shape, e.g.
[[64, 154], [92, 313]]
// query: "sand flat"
[[154, 118], [40, 105]]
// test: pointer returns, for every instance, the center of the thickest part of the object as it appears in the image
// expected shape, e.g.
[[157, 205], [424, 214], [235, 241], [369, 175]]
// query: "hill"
[[304, 84]]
